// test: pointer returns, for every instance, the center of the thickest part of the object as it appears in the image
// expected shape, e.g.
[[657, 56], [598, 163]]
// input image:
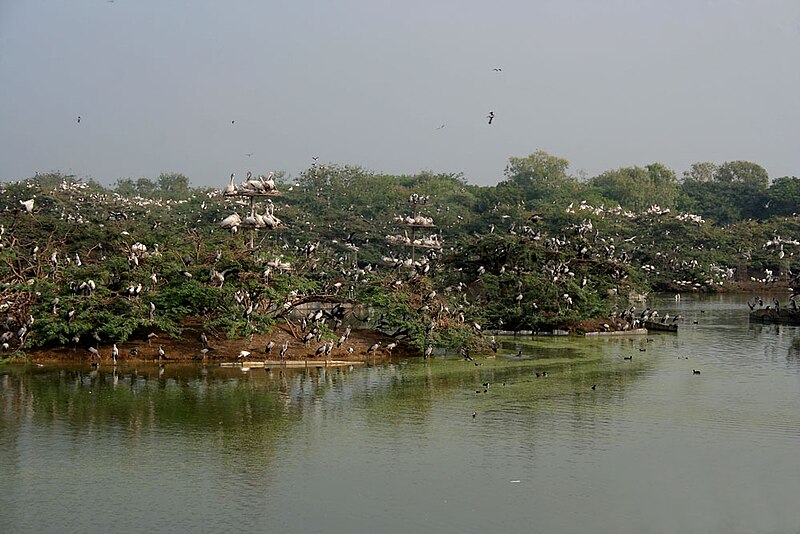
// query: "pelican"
[[252, 185], [231, 221], [269, 183]]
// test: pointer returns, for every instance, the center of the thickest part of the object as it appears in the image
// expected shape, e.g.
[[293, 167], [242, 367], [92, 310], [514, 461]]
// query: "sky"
[[206, 88]]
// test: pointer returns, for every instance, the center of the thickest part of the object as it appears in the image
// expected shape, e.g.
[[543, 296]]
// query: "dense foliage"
[[541, 249]]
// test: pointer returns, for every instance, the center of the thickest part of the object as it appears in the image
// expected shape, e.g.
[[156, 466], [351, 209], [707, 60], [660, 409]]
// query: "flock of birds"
[[581, 239]]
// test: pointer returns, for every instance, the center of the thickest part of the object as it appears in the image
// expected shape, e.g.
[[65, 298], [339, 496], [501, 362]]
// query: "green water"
[[396, 448]]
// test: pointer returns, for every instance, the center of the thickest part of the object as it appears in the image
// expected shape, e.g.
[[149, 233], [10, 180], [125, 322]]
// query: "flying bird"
[[440, 127], [79, 119], [249, 154], [497, 69], [490, 116]]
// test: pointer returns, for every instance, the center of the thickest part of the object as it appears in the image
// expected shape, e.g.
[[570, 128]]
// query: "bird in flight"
[[440, 127], [249, 154], [79, 119], [497, 69], [232, 122], [490, 116]]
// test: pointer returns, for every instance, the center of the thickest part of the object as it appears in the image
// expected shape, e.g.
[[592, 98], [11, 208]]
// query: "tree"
[[173, 185], [703, 171], [784, 196], [126, 187], [540, 175], [743, 172], [638, 188]]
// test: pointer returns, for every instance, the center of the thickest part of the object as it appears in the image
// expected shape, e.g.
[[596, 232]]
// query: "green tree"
[[784, 196], [173, 185], [540, 175], [743, 172], [638, 188], [703, 171]]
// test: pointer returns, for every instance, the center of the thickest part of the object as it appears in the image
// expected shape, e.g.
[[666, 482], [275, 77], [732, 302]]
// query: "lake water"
[[653, 448]]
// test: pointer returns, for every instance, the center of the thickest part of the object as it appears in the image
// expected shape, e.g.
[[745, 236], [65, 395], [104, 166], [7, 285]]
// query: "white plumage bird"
[[27, 204]]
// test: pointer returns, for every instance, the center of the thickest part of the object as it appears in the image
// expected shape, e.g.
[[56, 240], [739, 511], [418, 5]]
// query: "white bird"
[[374, 347], [27, 204], [114, 353], [243, 354], [230, 188]]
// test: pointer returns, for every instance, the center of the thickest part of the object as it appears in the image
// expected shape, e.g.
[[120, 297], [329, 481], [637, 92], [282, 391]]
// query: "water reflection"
[[385, 447]]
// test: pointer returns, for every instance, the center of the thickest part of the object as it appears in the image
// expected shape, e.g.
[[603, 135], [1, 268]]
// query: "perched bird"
[[243, 354], [27, 204], [373, 348], [269, 347], [161, 353], [114, 353], [695, 372]]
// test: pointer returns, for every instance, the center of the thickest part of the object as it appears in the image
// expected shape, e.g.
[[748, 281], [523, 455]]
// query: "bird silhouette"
[[490, 116]]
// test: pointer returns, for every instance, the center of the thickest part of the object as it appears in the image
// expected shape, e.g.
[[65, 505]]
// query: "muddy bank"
[[188, 347]]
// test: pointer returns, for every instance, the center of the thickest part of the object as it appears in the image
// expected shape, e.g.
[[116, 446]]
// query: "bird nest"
[[253, 194]]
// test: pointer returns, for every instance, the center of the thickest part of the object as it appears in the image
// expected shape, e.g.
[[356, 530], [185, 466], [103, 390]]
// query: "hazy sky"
[[603, 83]]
